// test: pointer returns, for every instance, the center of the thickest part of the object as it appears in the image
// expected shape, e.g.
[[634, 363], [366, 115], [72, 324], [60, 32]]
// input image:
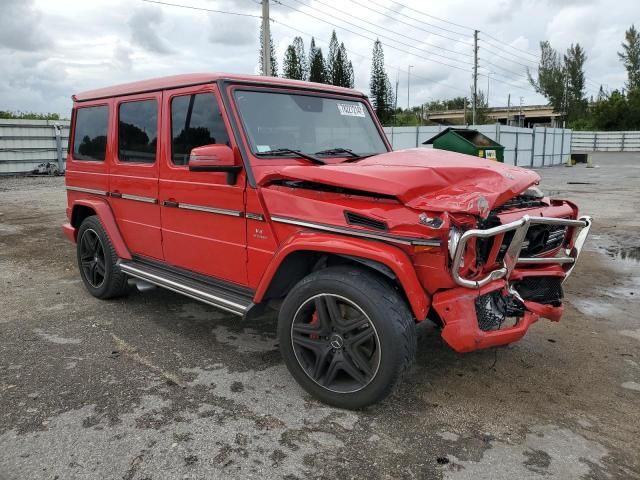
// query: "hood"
[[425, 179]]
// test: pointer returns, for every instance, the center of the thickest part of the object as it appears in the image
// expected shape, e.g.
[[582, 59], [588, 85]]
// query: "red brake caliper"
[[315, 320]]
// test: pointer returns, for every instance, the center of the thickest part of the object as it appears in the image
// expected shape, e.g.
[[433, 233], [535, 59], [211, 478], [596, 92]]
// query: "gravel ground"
[[156, 386]]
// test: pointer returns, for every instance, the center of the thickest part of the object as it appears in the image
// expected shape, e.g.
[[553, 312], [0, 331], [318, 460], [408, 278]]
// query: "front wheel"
[[346, 336]]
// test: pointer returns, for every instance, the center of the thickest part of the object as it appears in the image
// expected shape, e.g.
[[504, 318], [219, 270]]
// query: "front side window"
[[307, 123], [90, 137], [196, 120], [138, 131]]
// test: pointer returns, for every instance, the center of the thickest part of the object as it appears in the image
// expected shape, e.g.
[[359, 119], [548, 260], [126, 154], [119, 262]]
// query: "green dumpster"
[[465, 140]]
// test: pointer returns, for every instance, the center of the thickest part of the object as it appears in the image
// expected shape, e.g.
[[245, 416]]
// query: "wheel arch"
[[306, 252], [83, 208]]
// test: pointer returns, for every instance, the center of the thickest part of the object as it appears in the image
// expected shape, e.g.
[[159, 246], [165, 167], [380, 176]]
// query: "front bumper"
[[457, 307]]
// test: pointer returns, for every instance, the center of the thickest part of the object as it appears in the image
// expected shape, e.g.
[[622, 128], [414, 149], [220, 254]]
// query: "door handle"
[[170, 203], [115, 194]]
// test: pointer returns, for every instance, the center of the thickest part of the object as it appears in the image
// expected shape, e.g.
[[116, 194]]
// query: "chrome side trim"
[[138, 198], [254, 216], [512, 256], [220, 211], [88, 190], [358, 233], [186, 290]]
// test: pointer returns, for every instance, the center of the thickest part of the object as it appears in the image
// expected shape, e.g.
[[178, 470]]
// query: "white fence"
[[605, 142], [25, 144], [525, 147]]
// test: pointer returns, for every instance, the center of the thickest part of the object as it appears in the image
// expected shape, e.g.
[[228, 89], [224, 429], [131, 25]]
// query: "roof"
[[177, 81], [468, 134]]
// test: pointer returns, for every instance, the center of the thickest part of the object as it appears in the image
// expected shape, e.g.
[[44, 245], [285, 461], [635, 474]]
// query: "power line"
[[394, 67], [372, 39], [203, 9], [386, 29], [433, 16], [428, 52], [409, 24]]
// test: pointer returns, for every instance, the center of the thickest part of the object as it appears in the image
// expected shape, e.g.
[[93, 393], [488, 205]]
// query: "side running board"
[[218, 296]]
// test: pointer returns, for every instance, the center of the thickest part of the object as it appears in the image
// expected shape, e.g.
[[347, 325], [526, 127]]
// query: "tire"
[[97, 261], [373, 332]]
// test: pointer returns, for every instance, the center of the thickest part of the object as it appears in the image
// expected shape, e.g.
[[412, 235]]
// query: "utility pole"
[[266, 36], [488, 86], [408, 85], [508, 107], [475, 75], [395, 100], [465, 110], [520, 119]]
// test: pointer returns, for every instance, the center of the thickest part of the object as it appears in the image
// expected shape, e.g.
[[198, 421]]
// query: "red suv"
[[249, 193]]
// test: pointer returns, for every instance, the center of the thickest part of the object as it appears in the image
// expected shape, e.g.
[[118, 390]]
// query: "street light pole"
[[408, 85]]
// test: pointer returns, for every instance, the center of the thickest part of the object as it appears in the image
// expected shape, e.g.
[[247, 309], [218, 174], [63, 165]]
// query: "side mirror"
[[215, 158]]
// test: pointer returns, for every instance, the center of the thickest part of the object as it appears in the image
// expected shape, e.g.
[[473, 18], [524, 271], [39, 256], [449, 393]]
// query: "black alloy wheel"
[[98, 261], [92, 258], [335, 343]]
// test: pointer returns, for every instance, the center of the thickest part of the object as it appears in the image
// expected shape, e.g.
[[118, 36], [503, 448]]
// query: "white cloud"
[[50, 50]]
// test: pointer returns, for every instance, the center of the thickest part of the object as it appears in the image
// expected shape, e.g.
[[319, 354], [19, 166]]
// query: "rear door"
[[134, 173], [203, 224]]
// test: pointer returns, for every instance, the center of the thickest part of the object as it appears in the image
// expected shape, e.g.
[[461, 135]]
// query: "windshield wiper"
[[338, 151], [290, 151]]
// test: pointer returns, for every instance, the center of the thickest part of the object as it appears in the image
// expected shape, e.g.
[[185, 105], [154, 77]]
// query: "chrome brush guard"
[[512, 255]]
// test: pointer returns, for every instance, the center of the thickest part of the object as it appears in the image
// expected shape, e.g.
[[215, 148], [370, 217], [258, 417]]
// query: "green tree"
[[274, 61], [380, 86], [298, 45], [550, 81], [29, 115], [317, 69], [339, 68], [291, 67], [575, 101], [630, 56]]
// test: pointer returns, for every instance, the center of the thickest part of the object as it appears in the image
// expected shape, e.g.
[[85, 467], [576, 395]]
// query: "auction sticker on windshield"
[[351, 109]]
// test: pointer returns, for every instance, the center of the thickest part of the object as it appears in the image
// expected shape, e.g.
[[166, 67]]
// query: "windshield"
[[307, 123]]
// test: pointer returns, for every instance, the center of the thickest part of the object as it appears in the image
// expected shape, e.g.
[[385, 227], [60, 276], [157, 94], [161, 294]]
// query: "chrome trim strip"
[[254, 216], [88, 190], [191, 292], [358, 233], [512, 256], [138, 198], [220, 211]]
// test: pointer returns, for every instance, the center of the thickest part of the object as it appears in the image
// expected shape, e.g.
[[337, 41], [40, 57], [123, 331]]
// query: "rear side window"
[[90, 137], [138, 131], [195, 121]]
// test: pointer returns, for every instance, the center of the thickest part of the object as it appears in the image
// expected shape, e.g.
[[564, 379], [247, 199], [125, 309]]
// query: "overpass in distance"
[[525, 116]]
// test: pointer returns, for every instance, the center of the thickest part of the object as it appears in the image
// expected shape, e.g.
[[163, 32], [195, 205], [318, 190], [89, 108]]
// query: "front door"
[[203, 223], [133, 181]]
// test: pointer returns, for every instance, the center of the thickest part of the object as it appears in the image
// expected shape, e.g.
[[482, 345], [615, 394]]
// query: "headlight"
[[533, 192], [454, 238]]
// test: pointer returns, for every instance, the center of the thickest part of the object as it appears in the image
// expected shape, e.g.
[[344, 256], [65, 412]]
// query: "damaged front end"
[[509, 272]]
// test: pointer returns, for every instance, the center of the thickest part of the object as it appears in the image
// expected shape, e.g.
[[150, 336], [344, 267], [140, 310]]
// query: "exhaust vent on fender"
[[364, 221]]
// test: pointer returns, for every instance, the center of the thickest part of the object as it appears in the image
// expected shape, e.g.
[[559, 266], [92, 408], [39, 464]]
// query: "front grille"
[[540, 239], [494, 308], [543, 238], [521, 201], [546, 290]]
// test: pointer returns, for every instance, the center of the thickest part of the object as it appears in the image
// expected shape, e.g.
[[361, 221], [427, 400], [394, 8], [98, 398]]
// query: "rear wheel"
[[346, 336], [97, 261]]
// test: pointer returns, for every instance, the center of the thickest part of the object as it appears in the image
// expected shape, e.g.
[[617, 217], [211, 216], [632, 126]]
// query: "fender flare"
[[392, 257], [105, 215]]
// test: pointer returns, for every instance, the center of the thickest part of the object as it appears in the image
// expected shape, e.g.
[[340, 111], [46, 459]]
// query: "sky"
[[51, 50]]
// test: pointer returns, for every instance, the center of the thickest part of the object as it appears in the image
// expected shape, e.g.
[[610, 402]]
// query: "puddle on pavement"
[[629, 255]]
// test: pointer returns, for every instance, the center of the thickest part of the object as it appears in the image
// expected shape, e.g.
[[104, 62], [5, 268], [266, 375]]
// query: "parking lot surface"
[[156, 386]]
